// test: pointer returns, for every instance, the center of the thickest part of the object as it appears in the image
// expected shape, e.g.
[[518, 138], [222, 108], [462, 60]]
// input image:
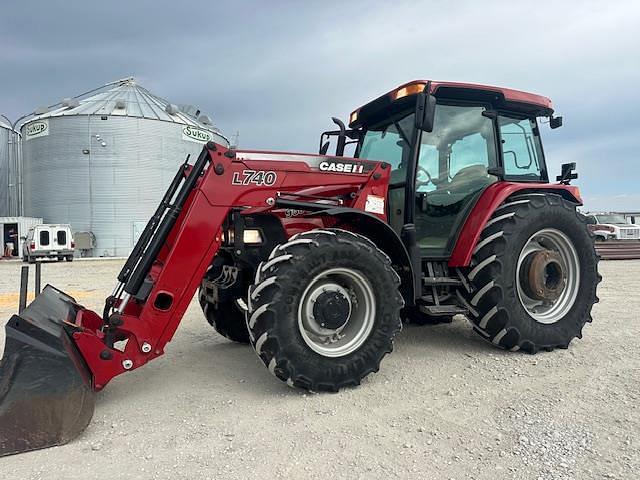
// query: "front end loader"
[[444, 208]]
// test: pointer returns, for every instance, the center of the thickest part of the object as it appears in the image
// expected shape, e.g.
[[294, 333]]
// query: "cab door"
[[453, 168]]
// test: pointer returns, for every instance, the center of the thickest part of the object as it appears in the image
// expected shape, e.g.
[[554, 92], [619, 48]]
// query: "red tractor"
[[444, 208]]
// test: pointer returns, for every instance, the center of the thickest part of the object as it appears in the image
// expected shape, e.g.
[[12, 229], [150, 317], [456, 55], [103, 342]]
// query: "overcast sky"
[[277, 71]]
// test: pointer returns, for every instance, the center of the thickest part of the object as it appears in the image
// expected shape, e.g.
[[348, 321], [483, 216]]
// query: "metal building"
[[102, 163], [9, 174]]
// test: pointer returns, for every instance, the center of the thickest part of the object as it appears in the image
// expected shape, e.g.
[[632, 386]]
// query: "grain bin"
[[9, 176], [102, 163]]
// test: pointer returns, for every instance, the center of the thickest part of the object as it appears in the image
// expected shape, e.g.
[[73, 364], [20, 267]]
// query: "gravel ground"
[[445, 405]]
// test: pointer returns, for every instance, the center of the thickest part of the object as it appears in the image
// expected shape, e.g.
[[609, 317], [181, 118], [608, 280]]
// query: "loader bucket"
[[46, 395]]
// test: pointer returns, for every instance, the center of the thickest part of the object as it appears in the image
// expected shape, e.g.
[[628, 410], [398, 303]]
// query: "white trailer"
[[13, 230], [632, 217]]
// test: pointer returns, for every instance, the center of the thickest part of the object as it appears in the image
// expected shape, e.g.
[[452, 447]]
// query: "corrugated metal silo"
[[9, 163], [102, 163]]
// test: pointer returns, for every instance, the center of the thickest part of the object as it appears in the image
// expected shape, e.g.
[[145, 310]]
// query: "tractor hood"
[[301, 180], [304, 162]]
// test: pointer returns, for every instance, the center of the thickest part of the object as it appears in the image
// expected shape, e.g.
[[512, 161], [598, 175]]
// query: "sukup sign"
[[36, 129], [195, 134]]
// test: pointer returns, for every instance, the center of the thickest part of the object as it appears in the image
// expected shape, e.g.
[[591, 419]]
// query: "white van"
[[48, 241]]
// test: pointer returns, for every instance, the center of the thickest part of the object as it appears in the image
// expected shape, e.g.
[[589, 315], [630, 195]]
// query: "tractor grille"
[[630, 233]]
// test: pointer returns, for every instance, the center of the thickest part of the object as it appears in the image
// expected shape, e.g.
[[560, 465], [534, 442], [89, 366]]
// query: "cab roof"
[[499, 97]]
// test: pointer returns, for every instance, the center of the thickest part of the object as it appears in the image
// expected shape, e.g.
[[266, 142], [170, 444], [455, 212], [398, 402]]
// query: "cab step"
[[441, 281], [442, 310]]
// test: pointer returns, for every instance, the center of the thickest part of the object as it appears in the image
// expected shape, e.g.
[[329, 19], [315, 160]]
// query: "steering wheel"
[[422, 183]]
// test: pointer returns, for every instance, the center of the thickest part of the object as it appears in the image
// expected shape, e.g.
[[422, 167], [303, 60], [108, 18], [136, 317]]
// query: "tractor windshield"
[[390, 141]]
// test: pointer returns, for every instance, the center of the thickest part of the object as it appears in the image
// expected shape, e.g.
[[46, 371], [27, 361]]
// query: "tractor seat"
[[472, 171], [465, 182], [470, 179]]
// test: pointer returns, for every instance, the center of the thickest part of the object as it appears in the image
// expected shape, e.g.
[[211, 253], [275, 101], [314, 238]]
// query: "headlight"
[[250, 236]]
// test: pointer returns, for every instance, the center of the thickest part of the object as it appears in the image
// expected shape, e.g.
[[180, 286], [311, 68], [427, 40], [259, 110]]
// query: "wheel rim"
[[548, 276], [350, 294]]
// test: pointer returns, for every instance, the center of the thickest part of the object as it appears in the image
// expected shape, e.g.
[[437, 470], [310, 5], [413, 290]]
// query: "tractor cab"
[[447, 142]]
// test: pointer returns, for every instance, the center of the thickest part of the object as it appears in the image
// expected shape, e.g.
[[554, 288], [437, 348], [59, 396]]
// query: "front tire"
[[226, 318], [324, 310], [533, 275]]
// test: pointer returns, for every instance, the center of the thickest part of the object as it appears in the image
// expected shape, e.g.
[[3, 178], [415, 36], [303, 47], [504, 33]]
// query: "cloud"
[[623, 202], [276, 71]]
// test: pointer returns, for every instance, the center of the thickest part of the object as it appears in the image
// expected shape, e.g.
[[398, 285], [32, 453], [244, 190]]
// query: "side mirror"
[[425, 111], [555, 122], [567, 173]]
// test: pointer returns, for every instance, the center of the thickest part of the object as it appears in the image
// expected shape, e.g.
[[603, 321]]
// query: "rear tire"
[[503, 307], [69, 258], [355, 290]]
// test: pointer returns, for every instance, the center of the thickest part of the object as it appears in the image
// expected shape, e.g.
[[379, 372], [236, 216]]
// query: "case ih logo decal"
[[196, 135], [37, 129], [259, 177], [342, 167]]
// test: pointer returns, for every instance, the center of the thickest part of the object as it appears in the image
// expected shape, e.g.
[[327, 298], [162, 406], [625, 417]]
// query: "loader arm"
[[59, 353], [154, 295]]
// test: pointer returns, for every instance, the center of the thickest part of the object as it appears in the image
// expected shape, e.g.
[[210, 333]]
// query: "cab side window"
[[462, 141], [521, 148]]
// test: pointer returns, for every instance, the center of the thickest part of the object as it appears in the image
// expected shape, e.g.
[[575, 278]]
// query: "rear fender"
[[492, 198], [384, 237]]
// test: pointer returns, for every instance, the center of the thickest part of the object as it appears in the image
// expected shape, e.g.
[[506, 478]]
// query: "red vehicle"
[[445, 208]]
